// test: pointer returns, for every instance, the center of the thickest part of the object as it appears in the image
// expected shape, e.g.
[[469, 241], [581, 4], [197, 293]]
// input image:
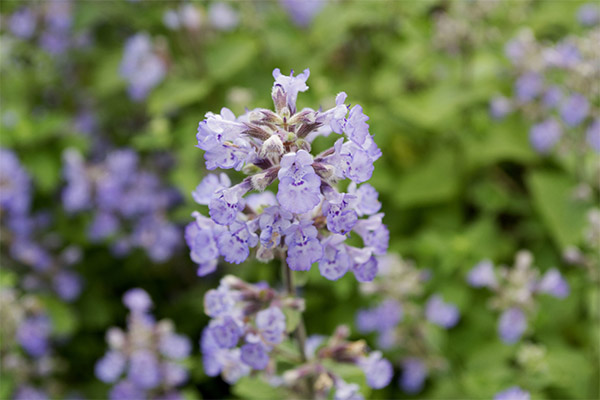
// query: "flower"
[[512, 325], [512, 393]]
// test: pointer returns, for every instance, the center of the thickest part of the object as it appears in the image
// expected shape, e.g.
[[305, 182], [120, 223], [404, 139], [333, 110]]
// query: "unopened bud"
[[279, 98], [264, 255], [323, 383], [262, 180], [115, 338], [272, 148]]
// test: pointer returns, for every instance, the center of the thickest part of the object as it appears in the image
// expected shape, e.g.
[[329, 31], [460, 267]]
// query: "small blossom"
[[512, 325]]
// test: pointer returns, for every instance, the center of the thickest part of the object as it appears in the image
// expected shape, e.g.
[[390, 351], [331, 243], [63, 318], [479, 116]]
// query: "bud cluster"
[[515, 290], [129, 204], [146, 360], [307, 220], [555, 88], [400, 320], [29, 235]]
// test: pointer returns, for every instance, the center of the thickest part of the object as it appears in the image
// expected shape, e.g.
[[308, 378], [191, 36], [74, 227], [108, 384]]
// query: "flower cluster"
[[515, 290], [250, 328], [146, 360], [555, 88], [29, 236], [53, 19], [308, 220], [122, 195], [143, 66], [26, 344], [400, 321]]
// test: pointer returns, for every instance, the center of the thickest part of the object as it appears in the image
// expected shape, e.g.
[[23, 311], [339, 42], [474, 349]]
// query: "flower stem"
[[300, 332]]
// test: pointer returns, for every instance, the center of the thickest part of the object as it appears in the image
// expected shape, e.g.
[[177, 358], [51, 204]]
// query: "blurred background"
[[486, 113]]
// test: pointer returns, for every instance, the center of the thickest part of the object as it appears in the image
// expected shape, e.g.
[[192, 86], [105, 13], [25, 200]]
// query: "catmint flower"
[[141, 67], [307, 219], [512, 325], [381, 318], [67, 285], [512, 393], [528, 86], [33, 335], [222, 16], [440, 313], [554, 284], [500, 106], [271, 324], [545, 135], [482, 275], [378, 370], [22, 23], [302, 12], [347, 391], [414, 373], [588, 14], [552, 97], [14, 184], [593, 135], [30, 393], [255, 355], [574, 110], [143, 361]]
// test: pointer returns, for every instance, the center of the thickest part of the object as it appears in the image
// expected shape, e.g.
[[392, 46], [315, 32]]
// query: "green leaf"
[[292, 319], [177, 93], [255, 388], [434, 181], [230, 56], [64, 321], [562, 213]]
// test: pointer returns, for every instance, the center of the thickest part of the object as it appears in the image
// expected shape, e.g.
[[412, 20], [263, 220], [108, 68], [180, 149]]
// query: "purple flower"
[[593, 135], [335, 262], [367, 202], [512, 325], [218, 302], [574, 110], [365, 271], [413, 376], [174, 374], [271, 324], [302, 11], [222, 16], [554, 284], [377, 369], [552, 97], [545, 135], [234, 244], [291, 85], [126, 390], [226, 332], [29, 393], [384, 317], [528, 86], [441, 313], [273, 222], [347, 391], [374, 233], [141, 67], [512, 393], [76, 195], [15, 191], [144, 370], [22, 23], [303, 246], [298, 184], [499, 107], [175, 346], [67, 285], [227, 203], [588, 14], [137, 300], [254, 355], [210, 185], [339, 211], [33, 335], [110, 367], [482, 275], [200, 237]]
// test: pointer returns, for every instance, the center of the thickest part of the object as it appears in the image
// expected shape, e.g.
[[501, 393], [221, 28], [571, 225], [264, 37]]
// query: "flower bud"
[[272, 148], [264, 255], [115, 338]]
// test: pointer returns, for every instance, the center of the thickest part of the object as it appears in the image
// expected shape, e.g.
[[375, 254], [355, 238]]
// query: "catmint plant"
[[554, 88], [402, 323], [27, 348], [129, 203], [298, 214], [29, 239], [251, 329], [146, 360], [515, 290]]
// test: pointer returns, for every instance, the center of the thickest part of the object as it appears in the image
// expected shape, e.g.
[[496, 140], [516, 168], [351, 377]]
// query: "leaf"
[[63, 319], [177, 93], [349, 373], [563, 215], [255, 388], [230, 56], [434, 181], [292, 319]]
